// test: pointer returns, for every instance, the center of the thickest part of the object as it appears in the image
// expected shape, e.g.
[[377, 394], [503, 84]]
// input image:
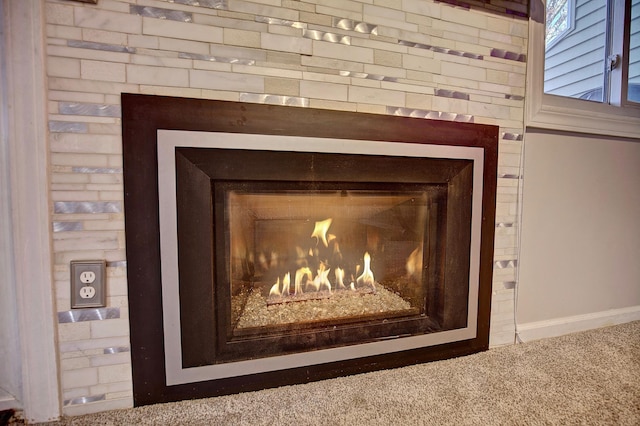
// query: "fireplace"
[[272, 245]]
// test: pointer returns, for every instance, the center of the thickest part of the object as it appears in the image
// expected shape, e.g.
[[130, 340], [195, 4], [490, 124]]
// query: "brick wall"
[[406, 57]]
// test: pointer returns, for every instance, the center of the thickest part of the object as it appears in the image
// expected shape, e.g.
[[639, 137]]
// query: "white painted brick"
[[64, 32], [75, 363], [59, 14], [114, 373], [263, 10], [344, 14], [99, 55], [422, 63], [463, 17], [160, 76], [335, 105], [463, 71], [160, 61], [344, 52], [111, 387], [108, 37], [62, 95], [237, 37], [226, 81], [109, 328], [79, 378], [385, 71], [396, 19], [170, 91], [331, 64], [181, 30], [375, 96], [421, 7], [106, 20], [73, 331], [321, 90], [63, 67], [286, 43], [142, 41], [86, 160], [86, 143], [409, 88], [266, 72], [347, 5], [111, 359], [104, 71]]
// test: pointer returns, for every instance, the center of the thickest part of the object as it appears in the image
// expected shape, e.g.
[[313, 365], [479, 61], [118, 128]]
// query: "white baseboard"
[[566, 325]]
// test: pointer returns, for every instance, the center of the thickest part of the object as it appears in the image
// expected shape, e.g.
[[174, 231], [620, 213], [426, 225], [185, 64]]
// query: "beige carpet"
[[589, 378]]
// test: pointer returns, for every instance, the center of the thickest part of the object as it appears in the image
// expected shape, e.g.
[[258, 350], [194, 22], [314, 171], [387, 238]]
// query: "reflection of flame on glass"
[[320, 231], [414, 263], [366, 278]]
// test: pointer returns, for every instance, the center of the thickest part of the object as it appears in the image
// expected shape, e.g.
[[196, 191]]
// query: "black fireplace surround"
[[409, 193]]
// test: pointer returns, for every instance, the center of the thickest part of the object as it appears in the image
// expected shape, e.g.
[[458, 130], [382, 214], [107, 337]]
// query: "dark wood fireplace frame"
[[144, 115]]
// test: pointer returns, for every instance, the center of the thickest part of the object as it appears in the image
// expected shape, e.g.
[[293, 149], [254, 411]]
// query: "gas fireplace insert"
[[271, 245]]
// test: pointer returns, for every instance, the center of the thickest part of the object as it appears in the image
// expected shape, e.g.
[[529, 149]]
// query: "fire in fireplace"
[[274, 246]]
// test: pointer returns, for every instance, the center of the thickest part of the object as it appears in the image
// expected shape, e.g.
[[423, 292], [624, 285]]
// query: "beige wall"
[[580, 226]]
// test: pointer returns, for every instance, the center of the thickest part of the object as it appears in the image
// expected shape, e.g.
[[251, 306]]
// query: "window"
[[583, 70], [579, 61]]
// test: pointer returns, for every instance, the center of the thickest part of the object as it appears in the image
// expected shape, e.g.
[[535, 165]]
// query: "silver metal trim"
[[440, 49], [282, 22], [104, 170], [66, 207], [221, 59], [93, 110], [93, 314], [328, 37], [100, 46], [159, 13], [511, 56], [116, 350], [67, 127], [351, 25], [84, 399], [433, 115], [368, 76], [261, 98], [503, 264], [67, 226], [212, 4]]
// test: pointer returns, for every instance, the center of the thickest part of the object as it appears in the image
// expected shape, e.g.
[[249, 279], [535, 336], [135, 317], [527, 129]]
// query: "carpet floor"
[[587, 378]]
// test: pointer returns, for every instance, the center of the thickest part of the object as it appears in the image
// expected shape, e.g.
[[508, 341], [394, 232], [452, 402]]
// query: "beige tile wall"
[[410, 57]]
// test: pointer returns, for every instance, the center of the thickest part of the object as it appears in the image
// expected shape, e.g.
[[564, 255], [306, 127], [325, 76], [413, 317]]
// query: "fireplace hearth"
[[273, 245]]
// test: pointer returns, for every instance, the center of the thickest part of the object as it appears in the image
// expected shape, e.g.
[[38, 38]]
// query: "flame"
[[339, 273], [286, 284], [320, 231], [300, 274], [322, 279], [304, 280], [275, 289], [366, 278]]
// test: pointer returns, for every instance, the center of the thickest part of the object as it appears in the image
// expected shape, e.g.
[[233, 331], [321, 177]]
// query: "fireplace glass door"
[[302, 251]]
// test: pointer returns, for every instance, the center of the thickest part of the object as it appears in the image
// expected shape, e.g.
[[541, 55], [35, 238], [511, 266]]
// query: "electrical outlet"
[[88, 279]]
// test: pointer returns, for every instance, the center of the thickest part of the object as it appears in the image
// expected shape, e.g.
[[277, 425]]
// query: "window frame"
[[571, 16], [619, 118]]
